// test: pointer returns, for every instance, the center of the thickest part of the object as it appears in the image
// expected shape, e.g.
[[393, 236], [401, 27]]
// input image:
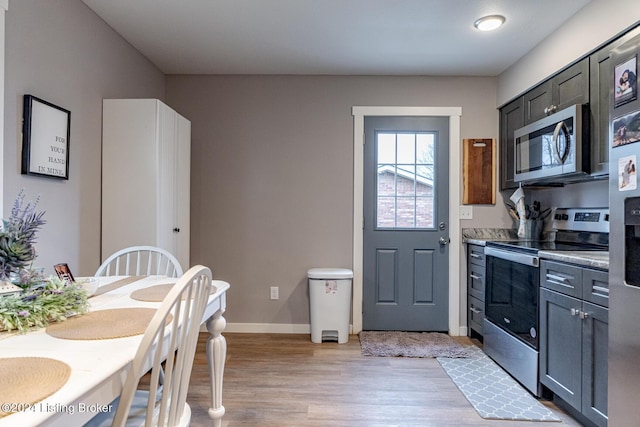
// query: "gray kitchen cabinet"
[[569, 87], [589, 80], [511, 118], [476, 271], [574, 337], [566, 88], [601, 83]]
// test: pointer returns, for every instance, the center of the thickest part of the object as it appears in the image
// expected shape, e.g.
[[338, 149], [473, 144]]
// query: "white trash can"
[[330, 304]]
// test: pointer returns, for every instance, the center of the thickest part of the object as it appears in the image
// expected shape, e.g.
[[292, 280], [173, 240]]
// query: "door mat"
[[491, 391], [410, 344]]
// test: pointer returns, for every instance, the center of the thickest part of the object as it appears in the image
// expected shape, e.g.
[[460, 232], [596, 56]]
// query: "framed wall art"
[[45, 139], [625, 82]]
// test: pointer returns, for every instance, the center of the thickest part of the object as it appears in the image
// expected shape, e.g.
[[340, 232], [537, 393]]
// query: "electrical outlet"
[[466, 212], [274, 292]]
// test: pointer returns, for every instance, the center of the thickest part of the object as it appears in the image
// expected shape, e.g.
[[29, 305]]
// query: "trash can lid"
[[330, 273]]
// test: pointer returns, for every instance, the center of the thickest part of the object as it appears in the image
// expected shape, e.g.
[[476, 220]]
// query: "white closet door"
[[183, 190], [166, 178], [129, 186]]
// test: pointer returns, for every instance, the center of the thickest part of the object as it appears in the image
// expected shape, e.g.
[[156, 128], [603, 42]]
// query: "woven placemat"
[[28, 380], [117, 284], [104, 324], [156, 293]]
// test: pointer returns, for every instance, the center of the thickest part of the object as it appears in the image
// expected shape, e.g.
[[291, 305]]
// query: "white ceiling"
[[367, 37]]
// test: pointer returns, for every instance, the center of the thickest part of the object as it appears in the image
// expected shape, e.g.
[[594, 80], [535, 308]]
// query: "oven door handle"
[[518, 257]]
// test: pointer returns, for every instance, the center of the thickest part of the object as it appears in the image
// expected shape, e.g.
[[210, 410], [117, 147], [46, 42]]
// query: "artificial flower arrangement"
[[43, 299]]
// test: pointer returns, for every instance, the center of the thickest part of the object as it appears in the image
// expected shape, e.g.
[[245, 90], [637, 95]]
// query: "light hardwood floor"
[[286, 380]]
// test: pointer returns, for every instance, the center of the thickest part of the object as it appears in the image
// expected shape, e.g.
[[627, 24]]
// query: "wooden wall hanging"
[[479, 171]]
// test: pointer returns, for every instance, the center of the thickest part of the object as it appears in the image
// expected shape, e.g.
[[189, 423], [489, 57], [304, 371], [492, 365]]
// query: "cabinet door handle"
[[473, 276], [176, 230], [575, 312], [601, 289], [554, 277], [584, 315], [475, 256], [475, 310], [558, 280]]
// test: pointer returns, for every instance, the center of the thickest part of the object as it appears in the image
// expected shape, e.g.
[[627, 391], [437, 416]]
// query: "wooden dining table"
[[98, 367]]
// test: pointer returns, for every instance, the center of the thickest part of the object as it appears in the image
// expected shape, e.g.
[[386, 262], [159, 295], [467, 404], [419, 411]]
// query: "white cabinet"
[[146, 158]]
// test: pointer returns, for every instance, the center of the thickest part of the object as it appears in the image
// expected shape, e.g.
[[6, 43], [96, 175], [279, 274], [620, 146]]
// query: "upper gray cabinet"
[[569, 87], [601, 82], [588, 81], [566, 88], [511, 118]]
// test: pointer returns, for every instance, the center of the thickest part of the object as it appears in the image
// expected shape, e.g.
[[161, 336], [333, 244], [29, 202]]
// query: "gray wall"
[[60, 51], [272, 174]]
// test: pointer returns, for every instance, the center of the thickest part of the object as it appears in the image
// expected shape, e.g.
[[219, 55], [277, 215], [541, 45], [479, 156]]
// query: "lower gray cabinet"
[[574, 334], [476, 265], [595, 333]]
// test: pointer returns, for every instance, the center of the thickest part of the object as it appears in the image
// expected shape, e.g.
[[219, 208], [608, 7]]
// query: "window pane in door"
[[386, 207], [386, 148], [405, 173], [406, 148]]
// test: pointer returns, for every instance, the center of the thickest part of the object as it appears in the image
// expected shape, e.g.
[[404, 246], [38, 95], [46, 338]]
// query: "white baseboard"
[[287, 328], [268, 328]]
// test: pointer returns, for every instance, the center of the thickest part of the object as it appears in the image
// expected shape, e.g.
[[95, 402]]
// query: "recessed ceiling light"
[[488, 23]]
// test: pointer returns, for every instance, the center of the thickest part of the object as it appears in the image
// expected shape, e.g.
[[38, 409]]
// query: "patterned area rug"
[[410, 344], [491, 391]]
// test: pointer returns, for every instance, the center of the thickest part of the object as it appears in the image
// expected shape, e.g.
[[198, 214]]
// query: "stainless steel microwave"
[[554, 149]]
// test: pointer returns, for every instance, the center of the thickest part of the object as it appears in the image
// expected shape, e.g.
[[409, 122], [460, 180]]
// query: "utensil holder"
[[533, 229]]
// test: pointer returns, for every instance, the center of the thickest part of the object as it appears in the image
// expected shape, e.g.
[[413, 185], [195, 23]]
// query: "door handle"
[[444, 241]]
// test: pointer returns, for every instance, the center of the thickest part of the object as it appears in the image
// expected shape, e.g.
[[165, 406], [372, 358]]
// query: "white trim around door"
[[455, 169]]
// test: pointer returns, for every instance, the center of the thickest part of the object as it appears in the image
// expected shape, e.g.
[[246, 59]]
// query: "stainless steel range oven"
[[512, 289], [511, 312]]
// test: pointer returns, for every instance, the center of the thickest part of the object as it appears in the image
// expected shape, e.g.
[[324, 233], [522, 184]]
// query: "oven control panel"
[[581, 219]]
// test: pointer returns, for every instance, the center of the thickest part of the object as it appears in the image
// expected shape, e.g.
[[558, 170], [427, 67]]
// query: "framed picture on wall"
[[45, 139], [625, 82]]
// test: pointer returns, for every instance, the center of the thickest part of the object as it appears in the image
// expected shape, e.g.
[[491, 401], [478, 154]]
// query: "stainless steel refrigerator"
[[624, 239]]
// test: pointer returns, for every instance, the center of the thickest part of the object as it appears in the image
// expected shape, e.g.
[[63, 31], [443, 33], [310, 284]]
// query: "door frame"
[[455, 168]]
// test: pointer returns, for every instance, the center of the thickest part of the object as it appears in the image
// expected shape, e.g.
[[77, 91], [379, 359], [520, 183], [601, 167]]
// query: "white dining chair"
[[140, 260], [173, 331]]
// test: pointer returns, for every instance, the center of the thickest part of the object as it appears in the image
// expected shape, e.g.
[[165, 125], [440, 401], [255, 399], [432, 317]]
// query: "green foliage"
[[18, 236], [53, 302]]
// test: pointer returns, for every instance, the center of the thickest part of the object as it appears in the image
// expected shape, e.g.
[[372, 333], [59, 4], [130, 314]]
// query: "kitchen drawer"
[[476, 313], [595, 286], [475, 255], [563, 278], [476, 281]]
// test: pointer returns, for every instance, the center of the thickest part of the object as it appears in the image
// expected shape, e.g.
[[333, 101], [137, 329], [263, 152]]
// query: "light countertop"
[[593, 259]]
